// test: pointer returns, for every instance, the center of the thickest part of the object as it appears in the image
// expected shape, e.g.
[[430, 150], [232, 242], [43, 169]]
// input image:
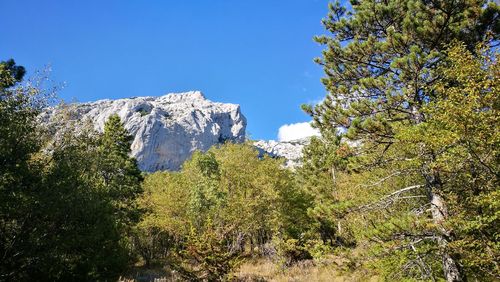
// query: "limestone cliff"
[[291, 151], [166, 129]]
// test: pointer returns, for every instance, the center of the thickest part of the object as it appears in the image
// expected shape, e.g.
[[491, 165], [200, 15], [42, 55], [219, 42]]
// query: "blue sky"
[[258, 54]]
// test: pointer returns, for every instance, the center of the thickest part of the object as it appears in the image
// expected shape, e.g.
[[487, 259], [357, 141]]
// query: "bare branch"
[[387, 200], [381, 180]]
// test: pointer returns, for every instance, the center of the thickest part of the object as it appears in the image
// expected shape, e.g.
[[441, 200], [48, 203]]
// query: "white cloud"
[[295, 131]]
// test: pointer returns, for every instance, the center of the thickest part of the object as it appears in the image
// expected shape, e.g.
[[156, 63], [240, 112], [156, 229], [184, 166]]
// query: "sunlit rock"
[[291, 151], [166, 129]]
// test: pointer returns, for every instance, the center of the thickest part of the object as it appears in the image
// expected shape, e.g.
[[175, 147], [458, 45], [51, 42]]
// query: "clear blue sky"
[[258, 54]]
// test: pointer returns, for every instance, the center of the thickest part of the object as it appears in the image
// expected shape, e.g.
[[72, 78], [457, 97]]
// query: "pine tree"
[[10, 74], [121, 175], [380, 65]]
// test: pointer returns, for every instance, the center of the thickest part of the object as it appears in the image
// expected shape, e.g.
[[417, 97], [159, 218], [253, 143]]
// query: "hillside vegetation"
[[402, 185]]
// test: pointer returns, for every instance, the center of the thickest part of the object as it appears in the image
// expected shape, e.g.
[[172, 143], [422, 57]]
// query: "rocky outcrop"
[[291, 151], [166, 129]]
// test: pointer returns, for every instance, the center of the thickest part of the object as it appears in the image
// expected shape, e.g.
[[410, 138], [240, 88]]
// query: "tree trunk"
[[439, 211], [334, 178]]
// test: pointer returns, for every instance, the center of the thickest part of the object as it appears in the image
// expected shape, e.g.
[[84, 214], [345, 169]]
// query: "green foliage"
[[75, 216], [143, 112], [381, 59], [225, 203], [419, 115], [403, 181], [324, 162], [120, 174], [60, 198], [10, 74], [209, 251], [462, 130], [290, 251], [20, 175]]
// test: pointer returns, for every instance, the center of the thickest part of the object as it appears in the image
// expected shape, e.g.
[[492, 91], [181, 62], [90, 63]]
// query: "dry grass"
[[330, 271], [333, 268]]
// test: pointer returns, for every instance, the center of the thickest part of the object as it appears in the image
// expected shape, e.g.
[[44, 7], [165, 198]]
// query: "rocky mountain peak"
[[291, 151], [166, 129]]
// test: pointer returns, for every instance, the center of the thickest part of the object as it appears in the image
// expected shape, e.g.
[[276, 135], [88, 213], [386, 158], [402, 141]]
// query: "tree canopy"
[[402, 184], [60, 217], [391, 75]]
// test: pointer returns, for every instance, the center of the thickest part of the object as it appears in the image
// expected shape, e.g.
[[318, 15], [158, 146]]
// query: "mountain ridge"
[[166, 129]]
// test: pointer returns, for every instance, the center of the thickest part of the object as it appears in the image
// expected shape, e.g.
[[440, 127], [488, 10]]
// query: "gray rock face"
[[167, 129], [291, 151]]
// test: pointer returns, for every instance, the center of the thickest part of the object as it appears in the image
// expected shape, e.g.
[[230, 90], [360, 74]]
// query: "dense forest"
[[402, 185]]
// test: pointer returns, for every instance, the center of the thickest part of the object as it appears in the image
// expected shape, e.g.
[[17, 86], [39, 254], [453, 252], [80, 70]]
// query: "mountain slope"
[[166, 129]]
